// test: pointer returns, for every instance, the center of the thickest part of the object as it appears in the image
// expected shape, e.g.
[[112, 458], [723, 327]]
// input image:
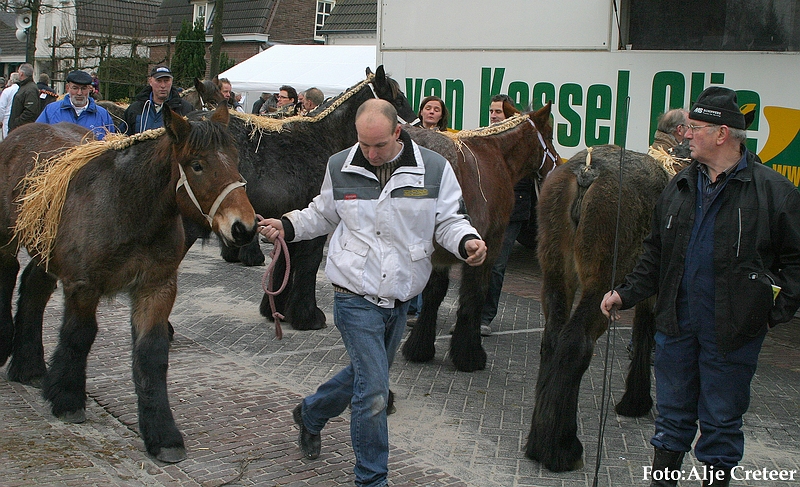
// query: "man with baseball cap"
[[145, 112], [723, 257], [79, 107]]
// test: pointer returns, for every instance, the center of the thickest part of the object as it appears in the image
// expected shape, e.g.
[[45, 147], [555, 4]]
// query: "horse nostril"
[[241, 235]]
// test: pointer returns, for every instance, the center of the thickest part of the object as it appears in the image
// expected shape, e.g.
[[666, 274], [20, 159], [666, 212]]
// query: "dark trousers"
[[697, 385]]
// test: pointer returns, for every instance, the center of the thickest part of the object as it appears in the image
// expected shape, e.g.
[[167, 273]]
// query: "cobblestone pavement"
[[232, 386]]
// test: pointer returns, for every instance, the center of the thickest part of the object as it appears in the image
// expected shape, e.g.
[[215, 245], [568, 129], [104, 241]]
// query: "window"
[[324, 8], [714, 25], [205, 11]]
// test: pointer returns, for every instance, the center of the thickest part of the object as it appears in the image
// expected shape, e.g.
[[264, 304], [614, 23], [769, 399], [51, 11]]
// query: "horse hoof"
[[470, 362], [172, 455], [74, 417]]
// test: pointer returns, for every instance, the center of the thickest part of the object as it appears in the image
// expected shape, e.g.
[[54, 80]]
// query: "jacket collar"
[[406, 157], [688, 177]]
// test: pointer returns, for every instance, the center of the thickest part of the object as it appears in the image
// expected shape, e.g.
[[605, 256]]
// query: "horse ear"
[[198, 85], [541, 117], [380, 74], [175, 125], [221, 114], [216, 81], [369, 71]]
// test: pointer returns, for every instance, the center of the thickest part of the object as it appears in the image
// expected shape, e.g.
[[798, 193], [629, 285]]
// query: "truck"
[[610, 68]]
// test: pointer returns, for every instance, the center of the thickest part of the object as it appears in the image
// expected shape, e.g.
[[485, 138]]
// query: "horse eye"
[[196, 166]]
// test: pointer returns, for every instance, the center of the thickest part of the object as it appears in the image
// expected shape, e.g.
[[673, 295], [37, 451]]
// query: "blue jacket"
[[95, 118]]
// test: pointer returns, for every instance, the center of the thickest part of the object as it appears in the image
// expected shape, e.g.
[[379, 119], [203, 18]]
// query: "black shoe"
[[310, 444]]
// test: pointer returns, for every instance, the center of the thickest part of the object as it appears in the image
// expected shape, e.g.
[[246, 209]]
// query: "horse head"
[[388, 89], [543, 122], [206, 165], [206, 95]]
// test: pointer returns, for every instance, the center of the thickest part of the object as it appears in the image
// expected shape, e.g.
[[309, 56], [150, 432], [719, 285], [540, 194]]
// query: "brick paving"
[[232, 386]]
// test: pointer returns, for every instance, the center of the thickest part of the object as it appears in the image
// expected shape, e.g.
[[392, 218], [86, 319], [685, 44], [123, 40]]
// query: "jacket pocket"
[[750, 302]]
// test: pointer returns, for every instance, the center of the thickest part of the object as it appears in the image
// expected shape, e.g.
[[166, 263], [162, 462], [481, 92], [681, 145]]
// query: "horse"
[[487, 162], [284, 162], [205, 95], [104, 217], [577, 217]]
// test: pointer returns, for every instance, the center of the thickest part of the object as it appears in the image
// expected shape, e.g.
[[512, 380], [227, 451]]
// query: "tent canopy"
[[332, 69]]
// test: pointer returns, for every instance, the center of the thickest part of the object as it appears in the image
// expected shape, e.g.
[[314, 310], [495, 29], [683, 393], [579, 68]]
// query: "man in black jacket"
[[26, 106], [145, 112], [723, 256]]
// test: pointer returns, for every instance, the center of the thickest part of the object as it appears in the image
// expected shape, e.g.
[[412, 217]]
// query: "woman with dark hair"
[[433, 114]]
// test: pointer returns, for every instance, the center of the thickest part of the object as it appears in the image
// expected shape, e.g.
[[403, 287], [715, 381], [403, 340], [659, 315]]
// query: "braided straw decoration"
[[493, 129], [44, 190], [258, 123]]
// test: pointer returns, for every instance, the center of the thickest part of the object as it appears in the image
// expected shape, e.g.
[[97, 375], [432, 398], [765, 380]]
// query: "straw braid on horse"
[[284, 162], [577, 215], [487, 162], [105, 217]]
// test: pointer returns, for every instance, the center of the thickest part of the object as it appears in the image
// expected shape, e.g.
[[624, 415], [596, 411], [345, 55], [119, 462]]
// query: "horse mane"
[[494, 129], [266, 124], [44, 190]]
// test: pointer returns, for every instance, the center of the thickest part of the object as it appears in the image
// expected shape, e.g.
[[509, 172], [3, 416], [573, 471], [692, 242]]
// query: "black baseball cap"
[[160, 72]]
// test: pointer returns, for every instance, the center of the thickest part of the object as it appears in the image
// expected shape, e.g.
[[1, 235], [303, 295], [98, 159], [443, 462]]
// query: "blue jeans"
[[499, 272], [371, 336], [696, 383]]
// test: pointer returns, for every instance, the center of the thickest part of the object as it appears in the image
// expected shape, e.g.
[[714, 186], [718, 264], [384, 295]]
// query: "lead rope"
[[279, 247], [611, 335]]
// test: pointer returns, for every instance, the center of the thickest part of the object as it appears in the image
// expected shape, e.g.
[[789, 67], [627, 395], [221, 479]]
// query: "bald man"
[[385, 200]]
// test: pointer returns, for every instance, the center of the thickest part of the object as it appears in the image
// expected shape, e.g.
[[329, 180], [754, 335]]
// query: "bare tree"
[[217, 40]]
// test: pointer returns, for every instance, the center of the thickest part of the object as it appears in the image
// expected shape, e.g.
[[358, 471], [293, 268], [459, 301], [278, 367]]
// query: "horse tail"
[[636, 401]]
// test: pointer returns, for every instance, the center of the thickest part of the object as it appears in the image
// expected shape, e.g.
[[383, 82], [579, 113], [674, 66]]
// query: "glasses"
[[281, 97], [698, 127]]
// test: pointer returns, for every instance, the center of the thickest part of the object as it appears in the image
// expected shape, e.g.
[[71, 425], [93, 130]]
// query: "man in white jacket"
[[6, 97], [385, 199]]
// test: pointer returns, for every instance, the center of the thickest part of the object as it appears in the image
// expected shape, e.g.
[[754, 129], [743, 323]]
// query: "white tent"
[[332, 69]]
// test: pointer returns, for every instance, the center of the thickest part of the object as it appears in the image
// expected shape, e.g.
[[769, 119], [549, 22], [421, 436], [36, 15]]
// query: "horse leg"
[[9, 268], [27, 361], [150, 309], [553, 439], [298, 302], [64, 385], [419, 346], [636, 401], [465, 347]]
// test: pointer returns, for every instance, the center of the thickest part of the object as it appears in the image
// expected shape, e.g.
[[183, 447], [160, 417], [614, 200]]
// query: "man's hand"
[[271, 228], [476, 251], [611, 304]]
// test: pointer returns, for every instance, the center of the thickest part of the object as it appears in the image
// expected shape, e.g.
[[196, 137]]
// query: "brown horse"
[[105, 217], [487, 162], [577, 215]]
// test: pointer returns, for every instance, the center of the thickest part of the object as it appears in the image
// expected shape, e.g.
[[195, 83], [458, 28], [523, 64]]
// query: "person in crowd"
[[670, 130], [287, 103], [145, 111], [26, 105], [433, 113], [231, 98], [313, 98], [6, 98], [79, 107], [259, 103], [723, 258], [269, 106], [376, 265], [95, 86], [500, 108], [47, 94]]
